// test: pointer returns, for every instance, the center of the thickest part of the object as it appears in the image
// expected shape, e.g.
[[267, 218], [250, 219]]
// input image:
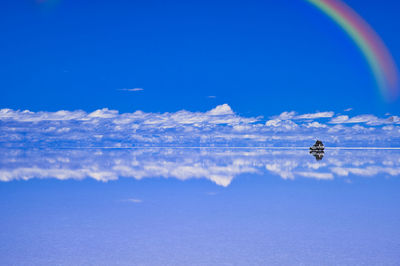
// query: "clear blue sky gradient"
[[260, 57]]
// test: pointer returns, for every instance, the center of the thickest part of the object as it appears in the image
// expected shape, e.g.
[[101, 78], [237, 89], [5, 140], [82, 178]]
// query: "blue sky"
[[260, 57]]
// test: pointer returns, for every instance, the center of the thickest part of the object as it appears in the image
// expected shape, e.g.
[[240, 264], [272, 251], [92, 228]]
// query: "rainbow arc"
[[368, 41]]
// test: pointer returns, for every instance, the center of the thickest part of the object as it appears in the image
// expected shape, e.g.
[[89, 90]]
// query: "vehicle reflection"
[[318, 154]]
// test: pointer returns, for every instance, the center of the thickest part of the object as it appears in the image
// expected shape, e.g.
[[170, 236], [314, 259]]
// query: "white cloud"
[[316, 175], [133, 200], [394, 119], [224, 109], [340, 119], [28, 116], [134, 89], [315, 166], [281, 124], [286, 115], [293, 115], [103, 113], [283, 168], [368, 171], [220, 126], [369, 119], [366, 119], [315, 125], [315, 115]]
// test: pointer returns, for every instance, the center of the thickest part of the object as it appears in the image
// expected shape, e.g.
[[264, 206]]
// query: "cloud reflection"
[[219, 165]]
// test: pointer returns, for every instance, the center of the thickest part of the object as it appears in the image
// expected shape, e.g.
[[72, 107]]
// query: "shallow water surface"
[[199, 206]]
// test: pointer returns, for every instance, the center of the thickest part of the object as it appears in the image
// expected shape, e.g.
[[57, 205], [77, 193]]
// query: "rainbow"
[[370, 44]]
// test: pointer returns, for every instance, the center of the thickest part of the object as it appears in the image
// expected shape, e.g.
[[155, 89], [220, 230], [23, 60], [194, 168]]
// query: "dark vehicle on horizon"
[[318, 146]]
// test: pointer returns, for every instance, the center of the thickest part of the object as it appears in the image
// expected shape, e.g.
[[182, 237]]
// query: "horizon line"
[[210, 147]]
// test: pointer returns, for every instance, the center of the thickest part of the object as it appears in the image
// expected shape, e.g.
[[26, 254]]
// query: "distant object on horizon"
[[317, 150], [318, 146]]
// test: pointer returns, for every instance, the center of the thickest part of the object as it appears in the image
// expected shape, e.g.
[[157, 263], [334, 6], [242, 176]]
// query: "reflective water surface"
[[199, 206], [219, 165]]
